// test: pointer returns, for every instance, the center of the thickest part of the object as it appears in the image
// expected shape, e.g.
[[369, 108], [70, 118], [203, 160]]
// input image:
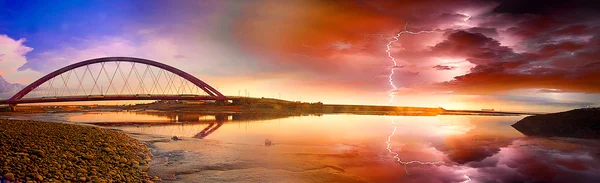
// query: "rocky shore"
[[578, 123], [56, 152]]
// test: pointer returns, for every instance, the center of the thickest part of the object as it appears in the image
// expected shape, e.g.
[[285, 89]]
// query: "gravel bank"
[[56, 152]]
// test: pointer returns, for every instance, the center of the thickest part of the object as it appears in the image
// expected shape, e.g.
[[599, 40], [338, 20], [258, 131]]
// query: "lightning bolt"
[[388, 50], [391, 81], [397, 156]]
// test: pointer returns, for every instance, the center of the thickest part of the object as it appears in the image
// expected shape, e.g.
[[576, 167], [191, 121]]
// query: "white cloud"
[[108, 46], [12, 56]]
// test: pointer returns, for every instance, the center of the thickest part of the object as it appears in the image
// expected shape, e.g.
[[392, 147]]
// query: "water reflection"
[[170, 123], [351, 148], [209, 129], [397, 156], [145, 117]]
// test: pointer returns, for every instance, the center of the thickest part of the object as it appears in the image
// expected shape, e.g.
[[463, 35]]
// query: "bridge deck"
[[111, 97]]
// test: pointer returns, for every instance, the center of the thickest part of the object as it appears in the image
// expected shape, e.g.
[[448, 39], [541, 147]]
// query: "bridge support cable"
[[156, 81]]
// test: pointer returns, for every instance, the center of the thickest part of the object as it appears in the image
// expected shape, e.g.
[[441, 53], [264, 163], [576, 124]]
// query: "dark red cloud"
[[495, 80], [489, 32], [574, 30], [443, 67], [477, 48], [531, 47], [559, 48], [534, 27], [286, 28], [564, 65], [473, 148]]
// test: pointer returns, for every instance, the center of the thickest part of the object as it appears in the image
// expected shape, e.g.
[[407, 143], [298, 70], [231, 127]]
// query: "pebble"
[[155, 178], [9, 176], [69, 153], [38, 177], [81, 170], [88, 157]]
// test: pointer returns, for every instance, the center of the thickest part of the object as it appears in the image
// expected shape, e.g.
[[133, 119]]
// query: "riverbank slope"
[[47, 152], [578, 123]]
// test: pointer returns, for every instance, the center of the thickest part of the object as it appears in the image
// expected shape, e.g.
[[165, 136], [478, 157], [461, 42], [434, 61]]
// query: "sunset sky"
[[508, 55]]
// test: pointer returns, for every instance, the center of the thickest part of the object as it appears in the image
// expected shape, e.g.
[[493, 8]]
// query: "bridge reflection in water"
[[148, 120]]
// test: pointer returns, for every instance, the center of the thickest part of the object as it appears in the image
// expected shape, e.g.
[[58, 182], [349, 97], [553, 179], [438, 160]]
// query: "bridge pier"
[[221, 102], [12, 107]]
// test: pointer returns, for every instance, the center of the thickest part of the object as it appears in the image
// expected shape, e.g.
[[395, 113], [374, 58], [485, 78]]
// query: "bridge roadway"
[[123, 97], [111, 97]]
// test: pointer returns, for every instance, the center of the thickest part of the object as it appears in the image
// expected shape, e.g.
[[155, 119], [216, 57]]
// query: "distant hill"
[[578, 123], [8, 89]]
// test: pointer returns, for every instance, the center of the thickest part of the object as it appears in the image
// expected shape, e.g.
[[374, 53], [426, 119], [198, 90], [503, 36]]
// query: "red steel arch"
[[214, 94]]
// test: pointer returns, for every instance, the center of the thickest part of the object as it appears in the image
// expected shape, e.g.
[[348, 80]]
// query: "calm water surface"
[[361, 148]]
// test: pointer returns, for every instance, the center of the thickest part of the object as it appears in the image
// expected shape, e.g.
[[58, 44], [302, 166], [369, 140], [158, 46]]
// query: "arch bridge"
[[115, 78]]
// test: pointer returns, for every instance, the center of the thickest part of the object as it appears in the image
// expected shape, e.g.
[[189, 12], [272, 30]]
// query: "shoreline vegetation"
[[57, 152], [267, 106]]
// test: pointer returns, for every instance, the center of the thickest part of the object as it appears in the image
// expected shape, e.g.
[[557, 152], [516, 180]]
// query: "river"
[[348, 148]]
